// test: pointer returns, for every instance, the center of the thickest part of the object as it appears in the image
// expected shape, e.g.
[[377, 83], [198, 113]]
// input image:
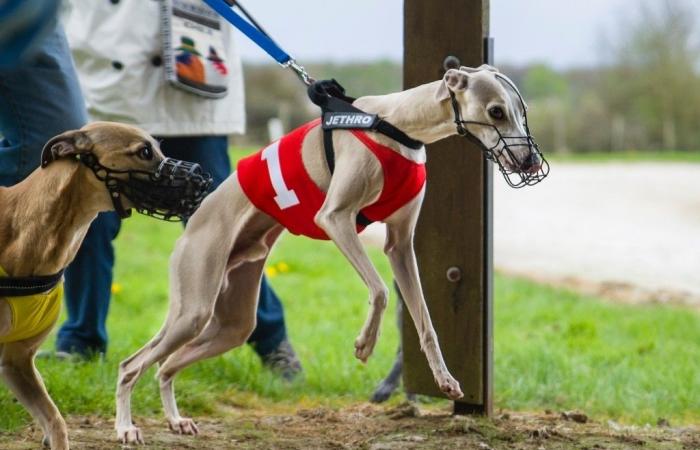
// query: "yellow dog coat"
[[34, 314]]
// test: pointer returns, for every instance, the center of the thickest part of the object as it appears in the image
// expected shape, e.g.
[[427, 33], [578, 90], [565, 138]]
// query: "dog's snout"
[[532, 163]]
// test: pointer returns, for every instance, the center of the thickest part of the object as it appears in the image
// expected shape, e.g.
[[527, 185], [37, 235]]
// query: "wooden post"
[[453, 236]]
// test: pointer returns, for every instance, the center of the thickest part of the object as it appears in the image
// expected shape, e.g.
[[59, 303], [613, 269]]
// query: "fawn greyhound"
[[216, 265], [43, 221]]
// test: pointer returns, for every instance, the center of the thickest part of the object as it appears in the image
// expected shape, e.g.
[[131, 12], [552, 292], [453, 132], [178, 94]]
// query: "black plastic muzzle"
[[172, 192]]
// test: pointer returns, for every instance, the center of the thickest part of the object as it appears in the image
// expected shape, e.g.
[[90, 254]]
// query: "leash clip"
[[298, 70]]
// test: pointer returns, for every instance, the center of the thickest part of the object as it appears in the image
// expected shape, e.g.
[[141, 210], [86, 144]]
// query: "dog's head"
[[116, 146], [128, 162], [488, 106]]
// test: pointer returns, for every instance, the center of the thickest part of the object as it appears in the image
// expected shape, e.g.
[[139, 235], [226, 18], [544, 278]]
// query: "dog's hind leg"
[[399, 249], [186, 318], [196, 272], [230, 326], [20, 374]]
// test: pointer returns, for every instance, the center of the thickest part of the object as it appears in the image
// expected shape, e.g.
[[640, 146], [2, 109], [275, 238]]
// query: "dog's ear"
[[480, 68], [69, 143], [454, 80]]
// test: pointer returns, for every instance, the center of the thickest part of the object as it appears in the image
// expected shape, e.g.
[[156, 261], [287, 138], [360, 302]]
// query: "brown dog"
[[43, 221]]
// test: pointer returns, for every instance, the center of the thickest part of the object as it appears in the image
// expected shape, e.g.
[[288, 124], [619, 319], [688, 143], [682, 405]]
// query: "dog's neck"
[[49, 214], [414, 111]]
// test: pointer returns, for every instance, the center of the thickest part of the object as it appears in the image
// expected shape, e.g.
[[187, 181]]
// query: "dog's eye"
[[497, 113], [146, 153]]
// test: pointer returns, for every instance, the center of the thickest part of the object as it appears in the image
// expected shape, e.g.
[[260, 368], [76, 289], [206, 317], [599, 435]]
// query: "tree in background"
[[646, 95], [549, 99], [652, 88], [275, 93]]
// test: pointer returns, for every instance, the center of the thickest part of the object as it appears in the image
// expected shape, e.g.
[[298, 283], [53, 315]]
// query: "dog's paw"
[[183, 426], [130, 435], [450, 387], [364, 347]]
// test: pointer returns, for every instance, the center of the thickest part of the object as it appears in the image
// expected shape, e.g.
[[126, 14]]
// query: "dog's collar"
[[26, 286]]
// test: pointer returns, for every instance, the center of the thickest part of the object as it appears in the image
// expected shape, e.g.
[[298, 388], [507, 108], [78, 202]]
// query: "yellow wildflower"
[[116, 288]]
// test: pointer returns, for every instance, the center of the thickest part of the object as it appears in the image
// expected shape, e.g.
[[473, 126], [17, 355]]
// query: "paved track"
[[630, 223], [635, 224]]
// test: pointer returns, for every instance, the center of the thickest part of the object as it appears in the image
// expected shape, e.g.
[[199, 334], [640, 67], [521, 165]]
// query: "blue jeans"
[[41, 99], [89, 277], [38, 100]]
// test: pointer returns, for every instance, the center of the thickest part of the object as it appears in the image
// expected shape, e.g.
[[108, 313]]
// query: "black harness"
[[26, 286], [338, 113]]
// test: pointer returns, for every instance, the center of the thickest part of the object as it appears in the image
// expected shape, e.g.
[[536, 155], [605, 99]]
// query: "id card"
[[193, 48]]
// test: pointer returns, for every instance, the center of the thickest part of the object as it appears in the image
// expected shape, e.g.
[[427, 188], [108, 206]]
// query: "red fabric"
[[403, 180]]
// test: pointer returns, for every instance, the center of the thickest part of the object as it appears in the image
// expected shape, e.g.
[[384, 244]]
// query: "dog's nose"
[[532, 163]]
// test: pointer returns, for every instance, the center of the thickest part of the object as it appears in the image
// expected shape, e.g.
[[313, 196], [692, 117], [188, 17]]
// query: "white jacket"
[[116, 46]]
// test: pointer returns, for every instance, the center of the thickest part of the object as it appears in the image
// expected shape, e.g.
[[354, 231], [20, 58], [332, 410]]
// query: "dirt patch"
[[377, 428], [616, 291]]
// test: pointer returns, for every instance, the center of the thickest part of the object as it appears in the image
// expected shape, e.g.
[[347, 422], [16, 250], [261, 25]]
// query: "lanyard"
[[256, 34]]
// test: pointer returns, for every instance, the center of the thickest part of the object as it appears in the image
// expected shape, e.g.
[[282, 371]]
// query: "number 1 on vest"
[[285, 198]]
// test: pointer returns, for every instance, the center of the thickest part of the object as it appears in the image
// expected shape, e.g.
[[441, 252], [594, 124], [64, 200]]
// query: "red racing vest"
[[275, 180]]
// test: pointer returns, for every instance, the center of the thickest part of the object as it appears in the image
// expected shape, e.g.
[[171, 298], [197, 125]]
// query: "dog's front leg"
[[399, 249], [337, 219], [18, 371]]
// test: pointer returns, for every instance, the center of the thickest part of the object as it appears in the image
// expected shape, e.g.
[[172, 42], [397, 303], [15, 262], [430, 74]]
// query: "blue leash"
[[259, 36]]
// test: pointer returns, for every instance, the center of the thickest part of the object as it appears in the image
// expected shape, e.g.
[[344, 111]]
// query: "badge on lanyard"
[[193, 48]]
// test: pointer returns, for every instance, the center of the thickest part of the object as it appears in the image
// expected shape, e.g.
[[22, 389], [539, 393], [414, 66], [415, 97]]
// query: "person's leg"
[[38, 100], [88, 290], [270, 330], [270, 336], [210, 152]]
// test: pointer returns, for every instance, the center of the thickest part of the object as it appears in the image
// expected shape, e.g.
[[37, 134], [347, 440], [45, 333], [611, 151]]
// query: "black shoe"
[[283, 361]]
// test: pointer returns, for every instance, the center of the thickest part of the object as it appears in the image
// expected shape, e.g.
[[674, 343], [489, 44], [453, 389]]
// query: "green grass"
[[554, 349], [627, 157]]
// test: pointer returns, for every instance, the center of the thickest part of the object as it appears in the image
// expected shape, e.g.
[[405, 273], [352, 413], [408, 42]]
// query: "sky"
[[563, 33]]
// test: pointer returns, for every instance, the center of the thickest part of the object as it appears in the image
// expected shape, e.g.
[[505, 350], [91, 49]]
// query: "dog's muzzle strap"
[[26, 286], [172, 193]]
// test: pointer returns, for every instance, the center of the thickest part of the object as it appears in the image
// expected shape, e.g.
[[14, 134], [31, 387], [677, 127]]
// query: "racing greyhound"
[[43, 221], [216, 266]]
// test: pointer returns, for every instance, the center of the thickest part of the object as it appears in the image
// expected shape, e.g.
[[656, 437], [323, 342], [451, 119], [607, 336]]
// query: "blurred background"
[[600, 76], [597, 291], [613, 88]]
